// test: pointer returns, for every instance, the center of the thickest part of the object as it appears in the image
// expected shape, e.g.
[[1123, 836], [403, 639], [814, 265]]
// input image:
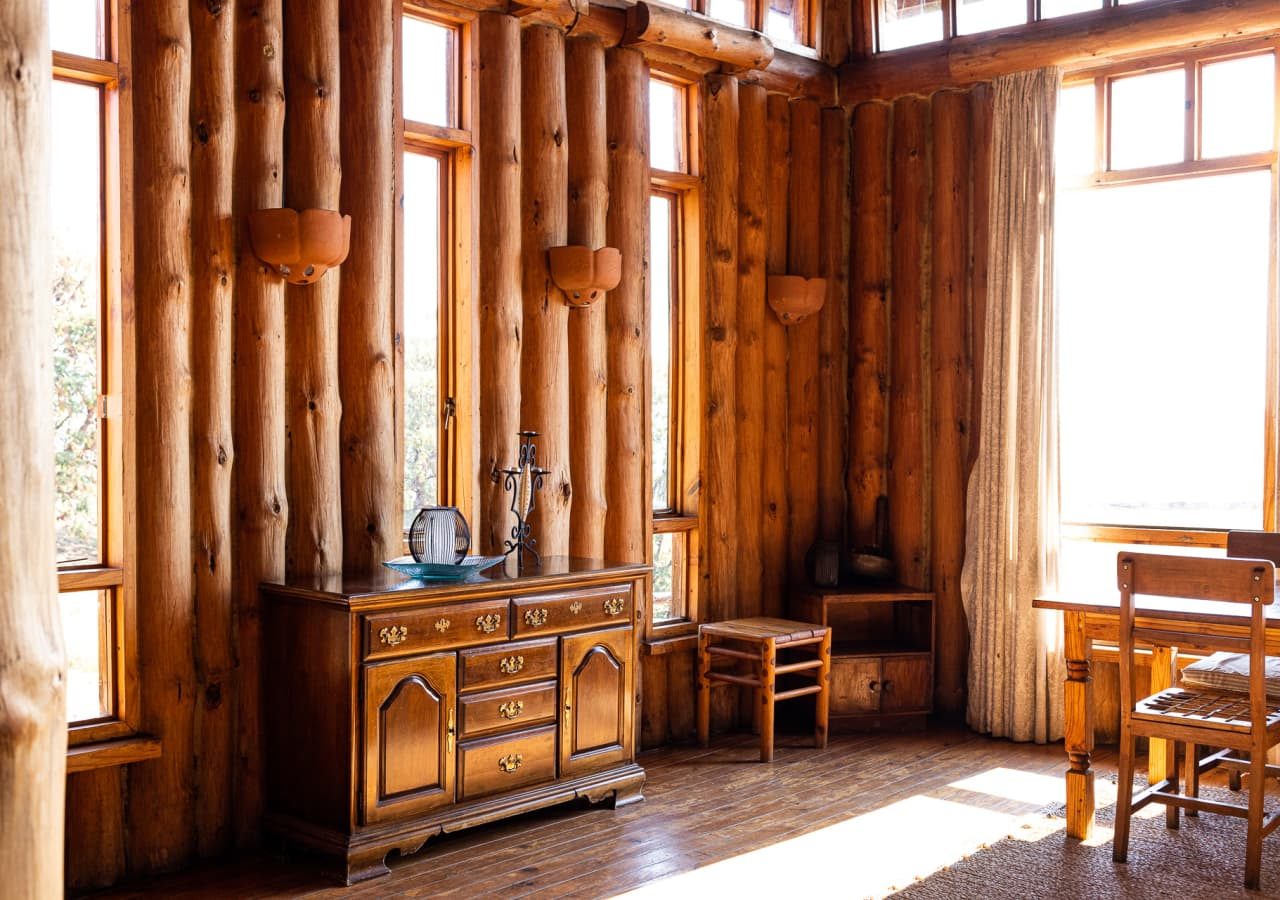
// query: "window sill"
[[663, 646], [120, 752]]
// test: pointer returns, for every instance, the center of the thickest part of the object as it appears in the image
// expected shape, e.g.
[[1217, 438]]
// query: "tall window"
[[88, 359], [673, 343], [1166, 305], [786, 22], [434, 137]]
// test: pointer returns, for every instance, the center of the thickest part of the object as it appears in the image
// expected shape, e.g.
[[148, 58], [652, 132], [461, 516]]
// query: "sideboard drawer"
[[435, 628], [497, 764], [572, 611], [508, 709], [508, 664]]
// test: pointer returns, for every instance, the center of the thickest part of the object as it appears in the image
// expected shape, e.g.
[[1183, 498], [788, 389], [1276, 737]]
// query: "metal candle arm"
[[524, 481]]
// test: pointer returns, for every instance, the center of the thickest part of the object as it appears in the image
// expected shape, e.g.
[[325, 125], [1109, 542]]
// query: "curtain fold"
[[1016, 669]]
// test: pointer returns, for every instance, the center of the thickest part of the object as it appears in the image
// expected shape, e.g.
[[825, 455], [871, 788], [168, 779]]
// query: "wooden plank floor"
[[714, 807]]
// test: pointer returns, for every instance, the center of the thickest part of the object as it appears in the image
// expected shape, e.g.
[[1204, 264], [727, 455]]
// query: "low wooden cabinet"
[[398, 710], [881, 653]]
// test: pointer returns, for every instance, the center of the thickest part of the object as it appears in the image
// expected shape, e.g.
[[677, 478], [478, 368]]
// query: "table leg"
[[1078, 725], [1162, 664]]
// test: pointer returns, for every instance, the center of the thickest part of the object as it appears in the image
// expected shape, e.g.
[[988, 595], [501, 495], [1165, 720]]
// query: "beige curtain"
[[1015, 663]]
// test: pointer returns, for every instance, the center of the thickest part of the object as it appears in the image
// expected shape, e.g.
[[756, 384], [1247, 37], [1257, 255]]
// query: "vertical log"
[[371, 489], [262, 509], [213, 285], [777, 513], [909, 495], [720, 268], [544, 360], [32, 660], [588, 354], [162, 792], [750, 388], [869, 331], [313, 408], [833, 343], [498, 46], [952, 369], [803, 258], [95, 829], [980, 231], [629, 523], [836, 23]]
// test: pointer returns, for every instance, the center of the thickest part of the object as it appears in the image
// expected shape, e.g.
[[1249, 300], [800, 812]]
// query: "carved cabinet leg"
[[363, 865], [1078, 709]]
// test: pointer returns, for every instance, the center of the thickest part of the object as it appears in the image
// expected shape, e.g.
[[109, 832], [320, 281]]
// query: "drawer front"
[[907, 684], [435, 628], [855, 685], [508, 664], [497, 764], [508, 709], [573, 610]]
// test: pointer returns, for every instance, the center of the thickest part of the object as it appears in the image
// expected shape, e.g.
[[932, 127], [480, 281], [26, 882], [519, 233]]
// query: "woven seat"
[[1228, 709]]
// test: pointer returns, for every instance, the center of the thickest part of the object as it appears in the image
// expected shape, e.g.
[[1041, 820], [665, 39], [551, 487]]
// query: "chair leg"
[[1253, 844], [704, 690], [768, 659], [1172, 814], [822, 709], [1233, 778], [1191, 776], [1124, 797]]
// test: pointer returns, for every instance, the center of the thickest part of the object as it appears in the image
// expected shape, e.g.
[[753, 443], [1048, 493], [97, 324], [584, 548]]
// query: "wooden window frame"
[[805, 19], [1192, 165], [454, 146], [681, 517], [114, 573]]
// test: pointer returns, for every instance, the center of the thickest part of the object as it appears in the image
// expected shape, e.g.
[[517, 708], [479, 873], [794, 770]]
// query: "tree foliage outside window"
[[75, 395]]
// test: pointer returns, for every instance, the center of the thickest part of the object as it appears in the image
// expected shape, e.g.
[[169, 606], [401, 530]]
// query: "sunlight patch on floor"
[[1014, 784]]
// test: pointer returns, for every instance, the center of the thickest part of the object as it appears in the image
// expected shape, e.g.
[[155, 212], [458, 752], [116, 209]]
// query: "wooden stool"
[[766, 637]]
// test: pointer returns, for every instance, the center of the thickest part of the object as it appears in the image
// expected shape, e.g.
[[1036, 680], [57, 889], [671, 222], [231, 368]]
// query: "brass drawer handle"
[[535, 618], [488, 623], [393, 635], [510, 762], [442, 625], [510, 665], [511, 709], [614, 605], [575, 607]]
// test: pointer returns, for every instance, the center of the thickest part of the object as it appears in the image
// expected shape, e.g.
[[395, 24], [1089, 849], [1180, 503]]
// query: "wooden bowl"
[[870, 566]]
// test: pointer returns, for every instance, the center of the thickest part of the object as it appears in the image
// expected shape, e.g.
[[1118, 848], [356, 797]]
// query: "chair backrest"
[[1254, 545], [1215, 579]]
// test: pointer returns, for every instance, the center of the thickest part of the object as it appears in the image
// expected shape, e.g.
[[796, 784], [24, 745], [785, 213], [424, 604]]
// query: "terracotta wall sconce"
[[584, 274], [795, 298], [300, 245]]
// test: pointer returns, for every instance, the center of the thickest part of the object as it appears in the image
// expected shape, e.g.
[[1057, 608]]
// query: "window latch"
[[104, 407], [450, 408]]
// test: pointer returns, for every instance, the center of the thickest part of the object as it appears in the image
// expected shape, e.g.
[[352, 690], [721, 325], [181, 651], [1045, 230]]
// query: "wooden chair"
[[1251, 545], [762, 639], [1197, 716]]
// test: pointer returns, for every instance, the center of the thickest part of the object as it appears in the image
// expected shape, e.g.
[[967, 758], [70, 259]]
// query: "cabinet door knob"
[[875, 686], [511, 709], [886, 685], [510, 762]]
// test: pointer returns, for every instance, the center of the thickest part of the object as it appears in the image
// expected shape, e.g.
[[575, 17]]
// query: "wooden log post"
[[833, 322], [836, 22], [653, 23], [313, 408], [776, 526], [262, 507], [752, 305], [32, 660], [500, 308], [544, 359], [952, 369], [909, 495], [803, 258], [629, 522], [588, 348], [212, 456], [869, 327], [162, 807], [372, 495]]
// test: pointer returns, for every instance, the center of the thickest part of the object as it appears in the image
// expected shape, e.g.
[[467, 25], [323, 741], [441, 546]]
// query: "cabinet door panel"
[[409, 729], [855, 685], [908, 684], [596, 672]]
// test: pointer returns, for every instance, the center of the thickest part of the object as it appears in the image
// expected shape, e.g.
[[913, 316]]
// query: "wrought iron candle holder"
[[524, 481]]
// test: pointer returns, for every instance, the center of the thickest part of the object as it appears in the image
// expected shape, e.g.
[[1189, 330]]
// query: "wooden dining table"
[[1099, 620]]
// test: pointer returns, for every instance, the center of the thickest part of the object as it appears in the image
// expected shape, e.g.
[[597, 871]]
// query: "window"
[[88, 364], [433, 173], [673, 342], [1166, 307], [786, 22]]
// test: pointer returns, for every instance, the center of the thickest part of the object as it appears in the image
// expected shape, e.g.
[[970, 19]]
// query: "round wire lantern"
[[439, 534]]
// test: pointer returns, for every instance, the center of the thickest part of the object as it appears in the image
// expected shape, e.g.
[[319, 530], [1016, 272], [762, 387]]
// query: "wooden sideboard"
[[397, 710]]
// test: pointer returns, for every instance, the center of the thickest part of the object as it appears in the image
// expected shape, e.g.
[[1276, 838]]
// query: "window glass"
[[732, 12], [429, 72], [1148, 119], [666, 126], [1074, 149], [780, 22], [1162, 309], [77, 306], [86, 624], [1051, 9], [973, 16], [1238, 106], [1087, 569], [907, 23], [423, 210], [668, 602], [78, 26], [662, 211]]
